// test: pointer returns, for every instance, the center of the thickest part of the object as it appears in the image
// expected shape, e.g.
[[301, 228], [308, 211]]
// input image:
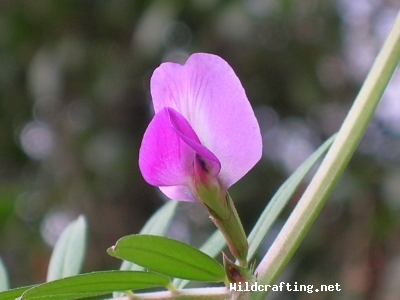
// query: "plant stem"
[[219, 293], [323, 182], [334, 163], [232, 229]]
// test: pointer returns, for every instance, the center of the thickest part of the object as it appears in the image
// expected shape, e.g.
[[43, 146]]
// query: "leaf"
[[14, 293], [156, 225], [4, 285], [95, 284], [281, 198], [69, 251], [169, 257], [212, 246]]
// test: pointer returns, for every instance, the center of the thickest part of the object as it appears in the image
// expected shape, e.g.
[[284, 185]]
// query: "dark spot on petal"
[[202, 163]]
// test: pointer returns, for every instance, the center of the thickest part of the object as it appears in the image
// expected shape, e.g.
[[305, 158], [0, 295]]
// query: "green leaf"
[[95, 284], [14, 293], [334, 164], [216, 242], [4, 285], [212, 246], [156, 225], [169, 257], [281, 198], [69, 251]]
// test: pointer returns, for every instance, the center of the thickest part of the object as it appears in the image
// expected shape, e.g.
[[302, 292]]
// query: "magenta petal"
[[208, 94], [167, 155], [164, 158], [179, 193], [186, 133]]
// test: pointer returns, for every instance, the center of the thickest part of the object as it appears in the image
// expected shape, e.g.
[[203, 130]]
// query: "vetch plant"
[[204, 138]]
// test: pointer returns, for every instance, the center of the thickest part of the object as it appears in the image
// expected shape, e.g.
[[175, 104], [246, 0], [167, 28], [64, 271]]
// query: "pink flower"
[[204, 136]]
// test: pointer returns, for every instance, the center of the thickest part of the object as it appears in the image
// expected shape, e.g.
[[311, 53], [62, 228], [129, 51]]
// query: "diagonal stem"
[[334, 163]]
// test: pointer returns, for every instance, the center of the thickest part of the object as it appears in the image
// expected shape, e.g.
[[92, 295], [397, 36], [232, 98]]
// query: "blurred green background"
[[75, 101]]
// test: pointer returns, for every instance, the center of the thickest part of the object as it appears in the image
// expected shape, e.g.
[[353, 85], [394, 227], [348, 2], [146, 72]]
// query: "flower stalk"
[[232, 229]]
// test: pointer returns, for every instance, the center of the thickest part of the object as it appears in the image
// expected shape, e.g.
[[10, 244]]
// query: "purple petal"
[[168, 152], [179, 193], [208, 94], [211, 163]]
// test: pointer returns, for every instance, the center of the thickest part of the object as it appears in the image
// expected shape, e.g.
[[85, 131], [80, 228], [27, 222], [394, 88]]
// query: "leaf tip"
[[111, 250]]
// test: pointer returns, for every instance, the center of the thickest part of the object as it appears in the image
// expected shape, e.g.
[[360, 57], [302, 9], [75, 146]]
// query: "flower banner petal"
[[179, 193], [209, 95]]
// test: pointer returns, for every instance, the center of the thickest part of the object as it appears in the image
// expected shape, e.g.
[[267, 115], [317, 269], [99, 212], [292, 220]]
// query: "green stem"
[[232, 229], [334, 163], [219, 293]]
